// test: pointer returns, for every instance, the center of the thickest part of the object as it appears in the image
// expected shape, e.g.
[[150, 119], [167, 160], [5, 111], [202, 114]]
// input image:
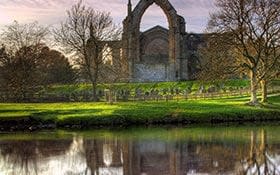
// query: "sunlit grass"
[[143, 112]]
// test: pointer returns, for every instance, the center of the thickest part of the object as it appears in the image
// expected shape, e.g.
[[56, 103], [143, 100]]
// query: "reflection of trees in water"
[[76, 156], [114, 156], [260, 160], [39, 157], [22, 156], [217, 158]]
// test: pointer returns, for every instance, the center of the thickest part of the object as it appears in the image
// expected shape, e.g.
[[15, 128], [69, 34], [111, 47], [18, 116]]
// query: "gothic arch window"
[[172, 19], [149, 19], [107, 55]]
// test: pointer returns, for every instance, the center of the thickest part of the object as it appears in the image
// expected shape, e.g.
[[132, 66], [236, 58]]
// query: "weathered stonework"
[[151, 72], [154, 46], [158, 54], [132, 36]]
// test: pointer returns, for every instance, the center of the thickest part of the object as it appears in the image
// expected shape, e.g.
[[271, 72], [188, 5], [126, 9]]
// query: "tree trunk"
[[254, 99], [94, 87], [110, 96], [95, 78], [264, 91]]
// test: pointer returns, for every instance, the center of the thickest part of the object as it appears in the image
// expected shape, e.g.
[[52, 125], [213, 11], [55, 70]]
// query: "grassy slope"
[[88, 114]]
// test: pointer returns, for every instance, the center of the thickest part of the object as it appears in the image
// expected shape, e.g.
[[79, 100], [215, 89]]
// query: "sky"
[[52, 12]]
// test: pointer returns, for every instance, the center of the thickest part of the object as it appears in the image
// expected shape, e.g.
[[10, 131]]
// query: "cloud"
[[51, 12], [33, 3], [44, 11]]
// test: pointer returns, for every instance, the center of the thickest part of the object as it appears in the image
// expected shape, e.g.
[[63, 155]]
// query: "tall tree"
[[55, 68], [30, 67], [217, 60], [26, 63], [20, 56], [19, 74], [269, 66], [17, 36], [83, 34], [253, 26]]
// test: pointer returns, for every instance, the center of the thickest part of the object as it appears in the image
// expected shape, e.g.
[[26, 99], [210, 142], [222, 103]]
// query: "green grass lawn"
[[191, 111]]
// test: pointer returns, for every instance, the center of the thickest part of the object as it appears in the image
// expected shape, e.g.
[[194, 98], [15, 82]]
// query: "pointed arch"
[[131, 35], [143, 5], [153, 16], [171, 15]]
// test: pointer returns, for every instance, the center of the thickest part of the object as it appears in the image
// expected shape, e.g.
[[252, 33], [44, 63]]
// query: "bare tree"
[[17, 36], [269, 66], [83, 34], [19, 57], [217, 60], [254, 29], [19, 73]]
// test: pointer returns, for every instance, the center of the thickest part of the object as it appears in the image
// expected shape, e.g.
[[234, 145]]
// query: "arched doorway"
[[131, 38]]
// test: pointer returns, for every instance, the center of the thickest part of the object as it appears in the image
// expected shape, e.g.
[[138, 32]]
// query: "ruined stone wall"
[[131, 38], [154, 46], [193, 43], [151, 72], [159, 54], [154, 63]]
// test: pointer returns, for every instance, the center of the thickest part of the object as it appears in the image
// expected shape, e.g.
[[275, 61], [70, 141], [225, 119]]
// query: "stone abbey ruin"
[[157, 54]]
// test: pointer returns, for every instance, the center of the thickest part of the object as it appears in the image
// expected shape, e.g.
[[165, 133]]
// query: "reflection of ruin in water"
[[103, 156]]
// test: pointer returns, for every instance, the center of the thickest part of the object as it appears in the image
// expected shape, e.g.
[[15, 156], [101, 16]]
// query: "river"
[[192, 150]]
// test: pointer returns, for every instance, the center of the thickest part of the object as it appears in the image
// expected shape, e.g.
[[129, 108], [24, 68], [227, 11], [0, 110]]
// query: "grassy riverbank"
[[240, 133], [83, 115]]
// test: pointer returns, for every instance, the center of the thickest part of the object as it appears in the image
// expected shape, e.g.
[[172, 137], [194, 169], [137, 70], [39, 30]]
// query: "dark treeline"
[[31, 68]]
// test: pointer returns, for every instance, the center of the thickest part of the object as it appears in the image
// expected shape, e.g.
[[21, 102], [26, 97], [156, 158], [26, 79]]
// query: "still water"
[[143, 151]]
